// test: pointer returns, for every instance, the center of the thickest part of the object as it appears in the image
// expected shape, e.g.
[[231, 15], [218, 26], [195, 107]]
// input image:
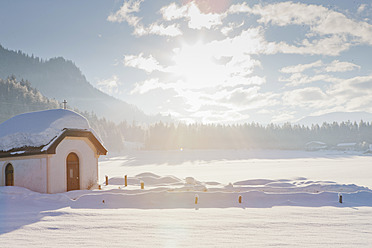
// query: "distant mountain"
[[18, 97], [336, 117], [61, 79]]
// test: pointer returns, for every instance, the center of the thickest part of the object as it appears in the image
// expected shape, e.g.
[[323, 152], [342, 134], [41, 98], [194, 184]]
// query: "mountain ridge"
[[336, 117], [60, 79]]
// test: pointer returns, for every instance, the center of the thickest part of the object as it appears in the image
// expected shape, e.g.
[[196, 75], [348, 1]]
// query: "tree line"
[[18, 97], [161, 136]]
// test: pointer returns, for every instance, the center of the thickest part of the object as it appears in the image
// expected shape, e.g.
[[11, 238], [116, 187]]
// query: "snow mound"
[[170, 192], [148, 178], [36, 129], [147, 174], [254, 182]]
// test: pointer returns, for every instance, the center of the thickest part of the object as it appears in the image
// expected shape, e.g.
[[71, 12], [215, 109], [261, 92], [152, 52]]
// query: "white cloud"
[[242, 98], [240, 8], [361, 8], [338, 66], [242, 65], [286, 13], [301, 67], [321, 20], [352, 94], [174, 12], [353, 87], [148, 85], [297, 79], [308, 98], [191, 12], [148, 64], [110, 85], [344, 95], [198, 20], [157, 29], [331, 46], [125, 13], [162, 30], [334, 66], [250, 41], [337, 23], [231, 27]]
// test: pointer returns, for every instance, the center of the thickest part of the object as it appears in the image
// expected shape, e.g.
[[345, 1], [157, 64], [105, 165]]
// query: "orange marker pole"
[[142, 185]]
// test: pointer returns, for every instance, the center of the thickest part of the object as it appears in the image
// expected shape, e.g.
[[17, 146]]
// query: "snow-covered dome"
[[37, 129]]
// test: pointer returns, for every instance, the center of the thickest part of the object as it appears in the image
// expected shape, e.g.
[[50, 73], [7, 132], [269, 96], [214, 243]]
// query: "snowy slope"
[[277, 209]]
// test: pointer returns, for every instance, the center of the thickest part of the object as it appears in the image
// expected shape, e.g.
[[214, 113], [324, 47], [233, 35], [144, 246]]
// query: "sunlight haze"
[[209, 61]]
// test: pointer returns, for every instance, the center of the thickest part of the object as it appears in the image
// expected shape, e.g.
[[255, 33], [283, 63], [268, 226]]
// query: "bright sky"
[[208, 60]]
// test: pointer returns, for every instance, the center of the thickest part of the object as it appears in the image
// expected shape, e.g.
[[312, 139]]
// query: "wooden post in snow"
[[125, 181], [240, 199], [106, 180], [142, 185], [196, 198]]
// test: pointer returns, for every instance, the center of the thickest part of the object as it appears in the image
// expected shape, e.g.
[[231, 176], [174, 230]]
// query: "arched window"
[[9, 175], [72, 169]]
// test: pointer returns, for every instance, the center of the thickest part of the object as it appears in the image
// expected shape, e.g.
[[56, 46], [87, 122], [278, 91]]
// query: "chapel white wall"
[[88, 164], [28, 173]]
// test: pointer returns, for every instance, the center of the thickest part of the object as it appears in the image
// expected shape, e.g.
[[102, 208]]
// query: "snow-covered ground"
[[289, 199]]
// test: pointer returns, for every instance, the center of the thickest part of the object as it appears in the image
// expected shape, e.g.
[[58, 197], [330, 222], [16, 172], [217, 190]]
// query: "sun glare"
[[195, 65]]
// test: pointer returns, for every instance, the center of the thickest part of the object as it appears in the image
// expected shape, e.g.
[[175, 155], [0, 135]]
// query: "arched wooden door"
[[9, 175], [72, 169]]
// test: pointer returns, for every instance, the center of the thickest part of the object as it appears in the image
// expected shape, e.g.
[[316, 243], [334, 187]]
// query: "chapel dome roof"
[[37, 129]]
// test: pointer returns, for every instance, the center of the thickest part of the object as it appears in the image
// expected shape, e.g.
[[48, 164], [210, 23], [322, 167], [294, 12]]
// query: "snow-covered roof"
[[315, 143], [346, 144], [40, 129]]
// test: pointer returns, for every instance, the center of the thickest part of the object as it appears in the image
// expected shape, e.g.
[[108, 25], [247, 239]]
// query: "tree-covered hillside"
[[17, 97], [61, 79]]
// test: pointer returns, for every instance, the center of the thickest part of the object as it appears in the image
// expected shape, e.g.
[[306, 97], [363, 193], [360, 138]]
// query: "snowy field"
[[289, 199]]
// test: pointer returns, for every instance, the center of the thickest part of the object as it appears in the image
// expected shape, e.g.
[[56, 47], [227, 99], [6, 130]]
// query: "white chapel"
[[49, 151]]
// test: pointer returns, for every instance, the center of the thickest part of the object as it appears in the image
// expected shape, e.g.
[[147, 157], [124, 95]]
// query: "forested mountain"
[[61, 79], [17, 97]]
